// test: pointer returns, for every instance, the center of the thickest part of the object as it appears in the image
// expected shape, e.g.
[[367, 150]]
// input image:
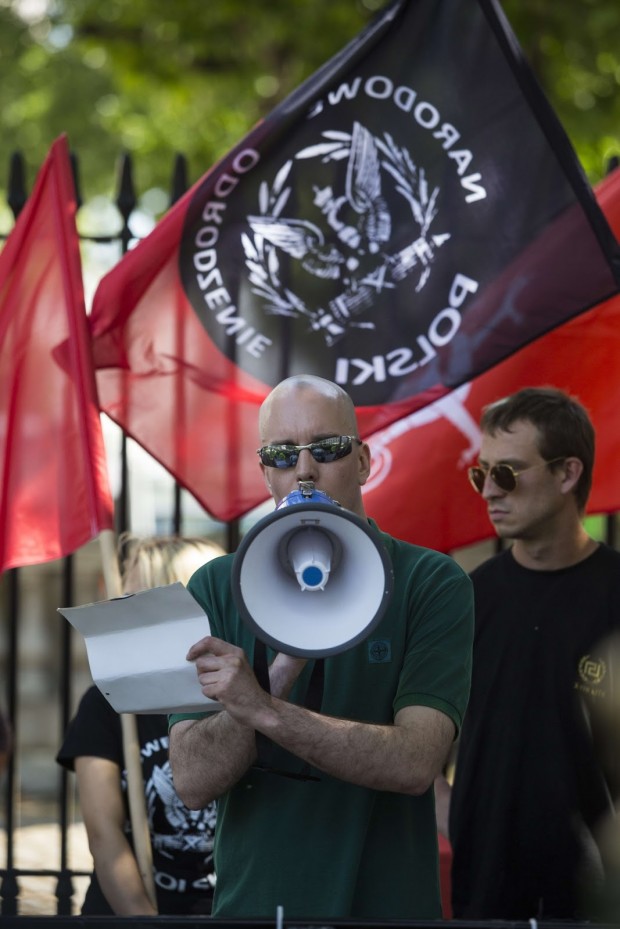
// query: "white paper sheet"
[[136, 647]]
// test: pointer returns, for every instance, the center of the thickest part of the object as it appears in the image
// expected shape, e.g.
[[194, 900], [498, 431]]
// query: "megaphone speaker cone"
[[312, 580], [309, 554]]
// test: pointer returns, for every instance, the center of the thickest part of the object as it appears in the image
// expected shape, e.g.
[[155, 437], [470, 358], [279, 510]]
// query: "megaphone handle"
[[265, 748]]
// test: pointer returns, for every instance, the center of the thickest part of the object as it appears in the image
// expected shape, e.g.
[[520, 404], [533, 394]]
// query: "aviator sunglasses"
[[504, 475], [325, 450]]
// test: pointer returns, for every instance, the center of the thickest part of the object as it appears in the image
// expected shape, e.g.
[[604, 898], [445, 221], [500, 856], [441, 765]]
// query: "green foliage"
[[574, 48], [154, 77]]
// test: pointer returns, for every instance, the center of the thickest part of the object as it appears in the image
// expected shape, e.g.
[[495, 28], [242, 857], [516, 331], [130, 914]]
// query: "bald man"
[[342, 822]]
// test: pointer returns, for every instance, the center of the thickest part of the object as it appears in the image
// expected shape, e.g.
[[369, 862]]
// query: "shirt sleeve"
[[438, 657], [95, 731], [199, 586]]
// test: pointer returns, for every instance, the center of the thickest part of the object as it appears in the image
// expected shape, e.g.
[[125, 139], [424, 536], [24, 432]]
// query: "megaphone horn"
[[311, 579]]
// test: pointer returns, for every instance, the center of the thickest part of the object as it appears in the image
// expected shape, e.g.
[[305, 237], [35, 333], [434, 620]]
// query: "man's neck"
[[561, 551]]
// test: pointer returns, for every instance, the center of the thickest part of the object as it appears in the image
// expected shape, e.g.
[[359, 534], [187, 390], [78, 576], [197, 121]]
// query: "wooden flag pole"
[[131, 747]]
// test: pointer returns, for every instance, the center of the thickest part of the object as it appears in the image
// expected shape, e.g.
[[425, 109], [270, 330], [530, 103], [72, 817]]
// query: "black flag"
[[410, 216]]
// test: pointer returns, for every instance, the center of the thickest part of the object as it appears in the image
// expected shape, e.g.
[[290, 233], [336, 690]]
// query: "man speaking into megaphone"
[[323, 767]]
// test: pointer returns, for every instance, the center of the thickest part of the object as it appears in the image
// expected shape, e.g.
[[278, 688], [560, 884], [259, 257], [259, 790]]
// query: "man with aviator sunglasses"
[[529, 791], [342, 824]]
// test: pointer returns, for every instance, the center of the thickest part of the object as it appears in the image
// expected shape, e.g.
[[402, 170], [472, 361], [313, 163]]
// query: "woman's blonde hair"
[[154, 561]]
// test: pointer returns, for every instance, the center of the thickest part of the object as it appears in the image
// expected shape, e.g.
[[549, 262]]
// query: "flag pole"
[[131, 747]]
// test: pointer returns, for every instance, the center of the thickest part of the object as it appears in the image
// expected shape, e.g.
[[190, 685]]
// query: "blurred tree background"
[[155, 77]]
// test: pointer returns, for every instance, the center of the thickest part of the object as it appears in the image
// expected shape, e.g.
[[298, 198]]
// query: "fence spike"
[[179, 178], [76, 178], [17, 196], [126, 197]]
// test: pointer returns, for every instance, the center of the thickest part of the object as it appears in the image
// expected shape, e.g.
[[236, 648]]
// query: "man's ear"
[[573, 469], [364, 462]]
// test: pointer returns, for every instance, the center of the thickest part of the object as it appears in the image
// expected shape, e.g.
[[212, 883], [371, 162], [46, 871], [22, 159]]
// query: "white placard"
[[136, 647]]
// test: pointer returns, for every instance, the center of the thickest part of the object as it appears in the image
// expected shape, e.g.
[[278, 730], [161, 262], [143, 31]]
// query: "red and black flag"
[[406, 219], [418, 487]]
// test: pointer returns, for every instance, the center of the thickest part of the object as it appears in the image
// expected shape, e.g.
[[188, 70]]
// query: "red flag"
[[409, 217], [418, 489], [54, 495]]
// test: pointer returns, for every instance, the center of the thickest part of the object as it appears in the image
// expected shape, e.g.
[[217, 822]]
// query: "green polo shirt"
[[325, 848]]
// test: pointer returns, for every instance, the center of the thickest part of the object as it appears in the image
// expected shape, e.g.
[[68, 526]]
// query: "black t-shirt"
[[181, 839], [529, 788]]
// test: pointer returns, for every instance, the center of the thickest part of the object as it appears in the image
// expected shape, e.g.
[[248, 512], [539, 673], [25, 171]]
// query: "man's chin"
[[501, 529]]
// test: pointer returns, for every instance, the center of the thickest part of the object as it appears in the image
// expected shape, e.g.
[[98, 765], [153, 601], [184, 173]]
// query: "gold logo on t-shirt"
[[591, 674], [592, 670]]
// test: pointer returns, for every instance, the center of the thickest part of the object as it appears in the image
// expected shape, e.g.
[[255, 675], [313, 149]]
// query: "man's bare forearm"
[[404, 757], [210, 755]]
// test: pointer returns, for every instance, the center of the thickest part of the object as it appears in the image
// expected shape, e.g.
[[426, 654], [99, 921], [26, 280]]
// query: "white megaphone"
[[311, 579]]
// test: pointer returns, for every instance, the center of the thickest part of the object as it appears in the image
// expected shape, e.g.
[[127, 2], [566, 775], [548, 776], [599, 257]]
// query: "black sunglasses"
[[326, 450], [504, 475]]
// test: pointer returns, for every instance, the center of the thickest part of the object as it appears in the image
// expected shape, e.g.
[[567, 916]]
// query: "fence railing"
[[12, 607], [14, 610]]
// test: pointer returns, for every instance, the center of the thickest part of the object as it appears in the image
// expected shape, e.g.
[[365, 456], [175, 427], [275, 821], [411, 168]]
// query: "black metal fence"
[[13, 610]]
